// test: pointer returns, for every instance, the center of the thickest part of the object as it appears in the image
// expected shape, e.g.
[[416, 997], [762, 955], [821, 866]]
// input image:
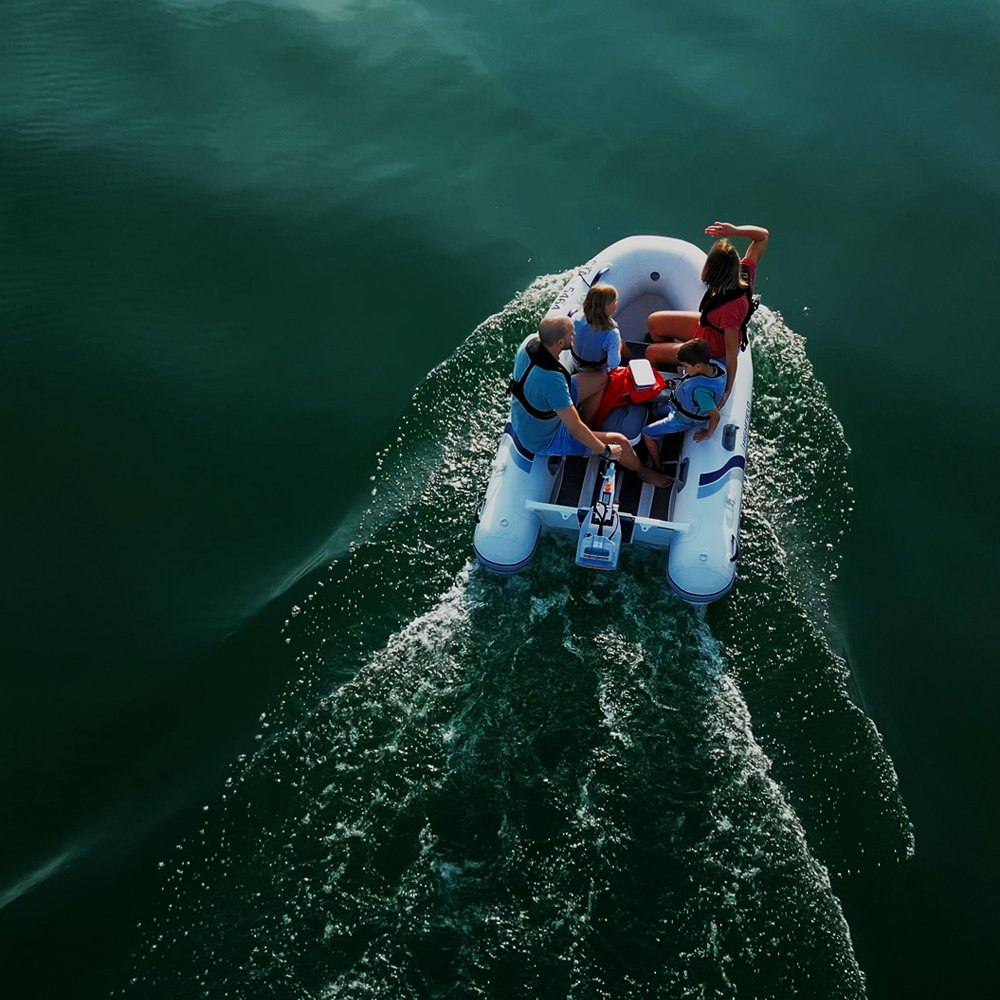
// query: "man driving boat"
[[543, 408]]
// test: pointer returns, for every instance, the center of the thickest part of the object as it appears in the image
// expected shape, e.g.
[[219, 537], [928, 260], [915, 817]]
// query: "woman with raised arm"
[[725, 306]]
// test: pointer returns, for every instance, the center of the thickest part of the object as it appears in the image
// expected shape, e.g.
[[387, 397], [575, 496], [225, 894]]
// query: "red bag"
[[621, 389]]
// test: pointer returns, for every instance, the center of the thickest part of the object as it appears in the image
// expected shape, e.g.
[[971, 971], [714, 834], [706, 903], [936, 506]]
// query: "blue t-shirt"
[[545, 390], [705, 399], [592, 345]]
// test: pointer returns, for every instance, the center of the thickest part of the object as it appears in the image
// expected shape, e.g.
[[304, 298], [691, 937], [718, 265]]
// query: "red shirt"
[[730, 315]]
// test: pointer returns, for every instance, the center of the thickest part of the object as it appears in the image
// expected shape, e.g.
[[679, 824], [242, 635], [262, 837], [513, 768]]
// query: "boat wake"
[[561, 783]]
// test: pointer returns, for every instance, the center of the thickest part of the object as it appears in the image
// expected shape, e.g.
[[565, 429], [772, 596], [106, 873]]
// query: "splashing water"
[[559, 784]]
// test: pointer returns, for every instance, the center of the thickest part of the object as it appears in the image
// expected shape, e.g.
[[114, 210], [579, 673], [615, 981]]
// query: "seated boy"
[[693, 402]]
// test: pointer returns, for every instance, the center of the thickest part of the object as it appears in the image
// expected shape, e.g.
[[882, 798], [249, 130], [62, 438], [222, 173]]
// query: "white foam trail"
[[41, 874]]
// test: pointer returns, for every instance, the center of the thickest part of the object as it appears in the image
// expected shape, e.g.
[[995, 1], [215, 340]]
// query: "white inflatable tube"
[[650, 273], [708, 495], [506, 529]]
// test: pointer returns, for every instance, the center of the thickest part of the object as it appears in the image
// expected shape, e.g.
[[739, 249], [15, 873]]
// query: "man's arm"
[[584, 434]]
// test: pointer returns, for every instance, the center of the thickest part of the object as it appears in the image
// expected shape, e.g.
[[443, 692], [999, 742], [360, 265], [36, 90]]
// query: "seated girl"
[[597, 346]]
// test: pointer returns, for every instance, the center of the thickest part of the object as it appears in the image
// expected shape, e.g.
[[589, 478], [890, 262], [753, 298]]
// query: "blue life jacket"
[[683, 395], [585, 331], [540, 357]]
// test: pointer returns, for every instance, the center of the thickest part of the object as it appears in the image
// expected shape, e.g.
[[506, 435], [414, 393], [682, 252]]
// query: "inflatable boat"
[[697, 519]]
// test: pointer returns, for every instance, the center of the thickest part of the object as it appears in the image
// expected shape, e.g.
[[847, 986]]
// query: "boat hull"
[[507, 529], [700, 527]]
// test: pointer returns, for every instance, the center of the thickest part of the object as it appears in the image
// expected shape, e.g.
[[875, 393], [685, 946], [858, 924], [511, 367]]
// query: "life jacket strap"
[[582, 363], [710, 302], [687, 413], [538, 357]]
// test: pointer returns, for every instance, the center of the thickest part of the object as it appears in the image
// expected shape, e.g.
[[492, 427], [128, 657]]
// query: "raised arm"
[[757, 234]]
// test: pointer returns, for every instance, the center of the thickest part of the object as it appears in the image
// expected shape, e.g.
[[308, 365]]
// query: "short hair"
[[722, 267], [596, 305], [694, 352], [553, 327]]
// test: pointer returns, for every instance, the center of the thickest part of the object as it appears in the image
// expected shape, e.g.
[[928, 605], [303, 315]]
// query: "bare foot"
[[659, 479]]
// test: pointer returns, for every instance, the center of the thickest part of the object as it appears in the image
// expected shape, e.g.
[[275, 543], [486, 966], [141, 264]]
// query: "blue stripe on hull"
[[707, 491], [712, 482], [736, 462], [523, 458]]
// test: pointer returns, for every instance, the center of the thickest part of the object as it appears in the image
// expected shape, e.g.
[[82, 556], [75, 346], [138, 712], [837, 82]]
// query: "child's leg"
[[661, 410], [673, 423], [653, 447]]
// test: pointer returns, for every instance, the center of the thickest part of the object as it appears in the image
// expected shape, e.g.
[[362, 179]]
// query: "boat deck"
[[580, 483]]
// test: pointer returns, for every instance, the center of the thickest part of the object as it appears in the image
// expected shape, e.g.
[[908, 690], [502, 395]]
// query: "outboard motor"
[[601, 529]]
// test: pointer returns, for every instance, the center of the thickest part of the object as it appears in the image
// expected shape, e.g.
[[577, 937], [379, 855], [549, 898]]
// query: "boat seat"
[[628, 420]]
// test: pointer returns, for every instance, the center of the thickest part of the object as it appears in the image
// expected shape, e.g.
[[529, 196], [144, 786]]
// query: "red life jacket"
[[621, 390], [711, 301]]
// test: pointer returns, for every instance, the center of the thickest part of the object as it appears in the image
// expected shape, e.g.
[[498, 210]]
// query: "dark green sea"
[[266, 731]]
